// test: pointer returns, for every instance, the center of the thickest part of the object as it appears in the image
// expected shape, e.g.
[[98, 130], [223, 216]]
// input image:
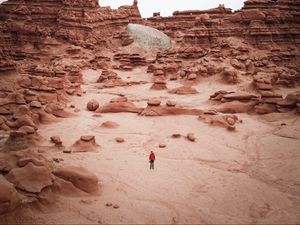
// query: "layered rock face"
[[260, 41], [259, 22], [35, 39], [79, 22]]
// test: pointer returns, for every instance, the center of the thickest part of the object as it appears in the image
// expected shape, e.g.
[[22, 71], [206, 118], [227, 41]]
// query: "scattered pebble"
[[176, 135], [67, 151], [86, 201], [119, 139], [191, 137], [116, 206], [162, 145], [56, 140], [58, 160]]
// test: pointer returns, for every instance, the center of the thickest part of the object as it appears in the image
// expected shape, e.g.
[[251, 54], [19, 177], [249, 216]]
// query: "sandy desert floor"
[[251, 175]]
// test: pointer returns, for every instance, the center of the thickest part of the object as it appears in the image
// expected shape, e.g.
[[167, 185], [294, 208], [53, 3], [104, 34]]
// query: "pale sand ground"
[[248, 176]]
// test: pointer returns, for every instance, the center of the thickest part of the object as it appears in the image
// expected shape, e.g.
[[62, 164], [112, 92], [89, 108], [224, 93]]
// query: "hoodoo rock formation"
[[81, 79]]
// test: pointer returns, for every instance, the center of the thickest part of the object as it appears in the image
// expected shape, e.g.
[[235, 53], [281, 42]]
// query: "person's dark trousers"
[[151, 164]]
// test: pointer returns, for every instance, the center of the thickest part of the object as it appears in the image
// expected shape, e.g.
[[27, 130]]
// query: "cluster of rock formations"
[[259, 22], [29, 178], [129, 61]]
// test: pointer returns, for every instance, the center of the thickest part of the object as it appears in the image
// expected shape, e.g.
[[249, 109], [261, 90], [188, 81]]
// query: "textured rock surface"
[[9, 197], [30, 178], [80, 178], [85, 144], [92, 105], [260, 22]]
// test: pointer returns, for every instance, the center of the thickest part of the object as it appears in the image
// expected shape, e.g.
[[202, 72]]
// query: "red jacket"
[[151, 157]]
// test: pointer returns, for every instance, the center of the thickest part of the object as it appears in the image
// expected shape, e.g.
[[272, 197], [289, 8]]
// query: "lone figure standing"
[[151, 160]]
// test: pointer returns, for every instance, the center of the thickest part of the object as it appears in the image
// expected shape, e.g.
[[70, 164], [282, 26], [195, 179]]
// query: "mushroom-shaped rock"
[[79, 177], [159, 85], [171, 103], [85, 144], [154, 102], [92, 105]]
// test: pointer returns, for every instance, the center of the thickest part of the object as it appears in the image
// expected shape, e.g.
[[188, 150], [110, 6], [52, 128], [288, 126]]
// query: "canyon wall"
[[260, 22]]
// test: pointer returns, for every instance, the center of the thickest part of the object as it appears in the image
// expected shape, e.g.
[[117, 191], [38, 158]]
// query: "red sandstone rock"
[[185, 90], [129, 61], [24, 161], [35, 104], [92, 105], [221, 22], [236, 107], [265, 108], [240, 96], [27, 129], [154, 102], [119, 139], [227, 121], [119, 99], [166, 110], [191, 137], [192, 76], [56, 140], [9, 197], [162, 145], [230, 76], [110, 79], [176, 135], [30, 178], [58, 110], [171, 103], [159, 85], [117, 107], [79, 177], [109, 124], [85, 144]]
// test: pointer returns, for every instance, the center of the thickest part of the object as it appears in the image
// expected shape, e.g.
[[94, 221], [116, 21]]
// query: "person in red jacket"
[[151, 160]]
